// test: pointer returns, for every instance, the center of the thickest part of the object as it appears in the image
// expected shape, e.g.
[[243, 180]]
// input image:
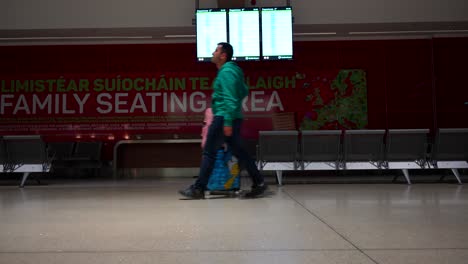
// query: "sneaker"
[[193, 193], [256, 191]]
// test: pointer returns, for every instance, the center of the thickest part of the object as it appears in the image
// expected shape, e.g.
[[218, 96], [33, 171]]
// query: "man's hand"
[[228, 131]]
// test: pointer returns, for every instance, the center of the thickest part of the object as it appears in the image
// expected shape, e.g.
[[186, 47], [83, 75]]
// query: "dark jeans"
[[215, 141]]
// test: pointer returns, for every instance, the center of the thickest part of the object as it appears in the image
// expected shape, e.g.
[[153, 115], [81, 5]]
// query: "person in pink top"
[[206, 124]]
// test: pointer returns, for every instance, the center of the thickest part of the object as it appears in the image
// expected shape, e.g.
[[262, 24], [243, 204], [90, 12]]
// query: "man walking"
[[229, 89]]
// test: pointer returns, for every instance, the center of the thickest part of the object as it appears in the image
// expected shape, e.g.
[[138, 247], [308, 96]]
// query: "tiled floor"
[[146, 221]]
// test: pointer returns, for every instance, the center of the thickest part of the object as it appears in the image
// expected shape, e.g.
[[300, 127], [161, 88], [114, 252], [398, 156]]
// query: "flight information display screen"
[[277, 33], [244, 33], [211, 30], [255, 33]]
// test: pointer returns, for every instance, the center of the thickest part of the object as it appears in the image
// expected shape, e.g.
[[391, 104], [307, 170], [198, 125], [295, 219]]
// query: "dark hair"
[[227, 48]]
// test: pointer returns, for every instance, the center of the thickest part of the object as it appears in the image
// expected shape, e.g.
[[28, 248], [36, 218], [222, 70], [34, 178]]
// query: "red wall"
[[411, 83], [408, 80]]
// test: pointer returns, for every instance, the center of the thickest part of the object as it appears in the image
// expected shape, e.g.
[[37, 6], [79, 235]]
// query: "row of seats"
[[401, 149], [29, 153], [75, 154]]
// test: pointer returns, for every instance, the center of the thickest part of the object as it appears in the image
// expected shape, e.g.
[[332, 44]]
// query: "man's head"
[[222, 54]]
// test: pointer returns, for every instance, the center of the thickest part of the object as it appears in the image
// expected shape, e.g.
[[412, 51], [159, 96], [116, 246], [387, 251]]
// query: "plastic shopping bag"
[[225, 175]]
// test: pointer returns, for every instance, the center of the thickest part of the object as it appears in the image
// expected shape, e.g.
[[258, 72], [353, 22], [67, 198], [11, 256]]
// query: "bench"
[[24, 154], [75, 155], [401, 149]]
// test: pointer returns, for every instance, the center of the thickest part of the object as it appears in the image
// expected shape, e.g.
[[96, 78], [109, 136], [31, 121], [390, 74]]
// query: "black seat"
[[364, 149], [407, 145], [451, 145], [26, 150], [321, 149], [26, 154], [278, 151], [87, 155], [61, 153], [407, 149], [278, 146], [451, 150]]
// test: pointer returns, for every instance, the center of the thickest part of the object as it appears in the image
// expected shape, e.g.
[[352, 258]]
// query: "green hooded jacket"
[[229, 89]]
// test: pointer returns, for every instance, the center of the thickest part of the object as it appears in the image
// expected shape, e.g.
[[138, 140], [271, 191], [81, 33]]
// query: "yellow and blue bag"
[[225, 175]]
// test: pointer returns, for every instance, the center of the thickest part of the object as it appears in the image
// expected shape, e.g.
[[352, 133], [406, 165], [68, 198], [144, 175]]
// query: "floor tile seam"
[[331, 227], [412, 249], [173, 251]]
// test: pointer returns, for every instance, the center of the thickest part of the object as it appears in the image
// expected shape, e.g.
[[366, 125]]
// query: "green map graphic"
[[345, 106]]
